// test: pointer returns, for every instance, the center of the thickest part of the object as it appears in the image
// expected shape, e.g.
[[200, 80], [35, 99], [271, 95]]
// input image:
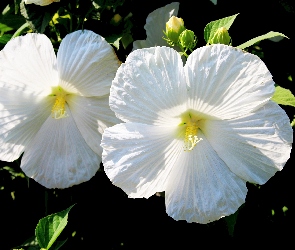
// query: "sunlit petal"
[[149, 87], [226, 82], [28, 64], [87, 64], [92, 116], [21, 115], [201, 188], [58, 156], [138, 158], [254, 146]]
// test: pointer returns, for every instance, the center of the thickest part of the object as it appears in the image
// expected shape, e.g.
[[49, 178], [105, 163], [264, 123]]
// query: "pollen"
[[58, 110], [192, 122], [191, 139]]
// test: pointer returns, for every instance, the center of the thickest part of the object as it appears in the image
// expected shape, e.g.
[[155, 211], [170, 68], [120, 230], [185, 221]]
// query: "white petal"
[[92, 115], [40, 2], [254, 146], [21, 116], [58, 156], [202, 188], [138, 158], [87, 64], [28, 63], [226, 82], [155, 25], [149, 87]]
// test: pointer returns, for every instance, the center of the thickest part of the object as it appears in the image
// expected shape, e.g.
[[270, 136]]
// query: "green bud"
[[187, 39], [116, 19], [221, 36], [174, 27]]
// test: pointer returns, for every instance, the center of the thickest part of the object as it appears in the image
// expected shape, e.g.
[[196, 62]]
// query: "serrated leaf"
[[212, 27], [50, 227], [283, 96], [268, 35]]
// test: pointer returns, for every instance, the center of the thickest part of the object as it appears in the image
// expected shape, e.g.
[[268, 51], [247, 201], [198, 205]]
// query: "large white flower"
[[198, 132], [54, 109], [155, 25]]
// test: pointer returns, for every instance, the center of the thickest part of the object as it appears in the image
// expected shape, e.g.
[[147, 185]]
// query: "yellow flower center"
[[191, 138], [58, 110]]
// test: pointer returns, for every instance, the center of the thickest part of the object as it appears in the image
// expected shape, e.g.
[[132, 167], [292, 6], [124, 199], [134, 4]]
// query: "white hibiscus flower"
[[198, 132], [41, 2], [54, 109], [155, 25]]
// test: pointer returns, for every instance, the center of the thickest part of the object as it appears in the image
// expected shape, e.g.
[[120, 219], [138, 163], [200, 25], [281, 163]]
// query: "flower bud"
[[221, 36], [187, 39], [116, 19], [174, 27]]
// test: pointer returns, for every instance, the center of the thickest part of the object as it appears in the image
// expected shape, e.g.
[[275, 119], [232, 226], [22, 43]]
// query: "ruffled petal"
[[28, 64], [149, 87], [58, 156], [138, 158], [254, 146], [225, 82], [201, 188], [92, 116], [155, 25], [87, 64]]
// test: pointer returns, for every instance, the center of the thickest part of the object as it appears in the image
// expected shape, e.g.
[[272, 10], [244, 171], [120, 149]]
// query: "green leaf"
[[38, 17], [231, 221], [114, 40], [29, 244], [283, 96], [212, 27], [50, 227], [4, 28], [9, 20], [5, 38], [270, 34], [65, 21], [58, 244], [126, 40]]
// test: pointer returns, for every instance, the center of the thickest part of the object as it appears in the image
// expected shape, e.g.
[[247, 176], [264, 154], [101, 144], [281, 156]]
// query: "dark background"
[[104, 218]]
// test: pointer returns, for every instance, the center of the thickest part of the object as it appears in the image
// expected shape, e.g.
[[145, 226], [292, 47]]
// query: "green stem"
[[183, 51], [20, 30]]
